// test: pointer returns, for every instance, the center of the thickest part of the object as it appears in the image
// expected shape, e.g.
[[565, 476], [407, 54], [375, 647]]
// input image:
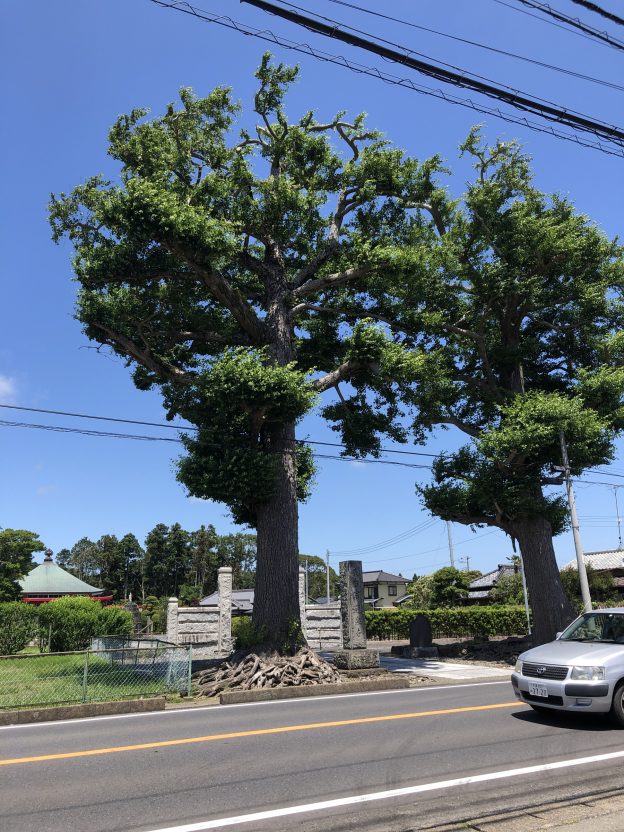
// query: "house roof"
[[242, 600], [49, 579], [380, 575], [490, 579], [609, 559], [482, 586]]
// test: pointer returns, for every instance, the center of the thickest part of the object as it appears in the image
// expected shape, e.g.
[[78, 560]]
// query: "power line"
[[588, 30], [187, 427], [517, 99], [392, 541], [594, 7], [144, 438], [316, 455], [439, 548], [563, 70], [543, 20], [374, 72]]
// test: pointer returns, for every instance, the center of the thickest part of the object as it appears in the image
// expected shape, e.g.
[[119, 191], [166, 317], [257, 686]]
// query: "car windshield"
[[596, 626]]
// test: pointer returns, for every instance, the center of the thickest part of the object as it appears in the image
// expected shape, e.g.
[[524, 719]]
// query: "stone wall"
[[322, 624], [208, 629]]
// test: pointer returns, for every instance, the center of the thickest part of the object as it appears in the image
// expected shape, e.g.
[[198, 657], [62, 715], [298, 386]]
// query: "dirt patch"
[[495, 652]]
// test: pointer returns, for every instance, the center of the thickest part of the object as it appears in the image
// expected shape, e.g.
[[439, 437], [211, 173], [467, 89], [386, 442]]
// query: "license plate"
[[538, 690]]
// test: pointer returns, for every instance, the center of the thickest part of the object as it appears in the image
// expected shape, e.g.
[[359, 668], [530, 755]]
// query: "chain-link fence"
[[118, 669]]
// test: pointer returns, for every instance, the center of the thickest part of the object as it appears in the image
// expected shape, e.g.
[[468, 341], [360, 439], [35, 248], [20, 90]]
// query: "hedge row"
[[448, 623], [18, 625], [62, 625]]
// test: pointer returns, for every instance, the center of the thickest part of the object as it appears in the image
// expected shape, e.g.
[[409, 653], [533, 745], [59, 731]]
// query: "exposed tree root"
[[253, 671]]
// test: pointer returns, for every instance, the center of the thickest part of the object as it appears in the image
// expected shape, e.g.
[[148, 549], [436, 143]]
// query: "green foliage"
[[421, 590], [188, 595], [70, 623], [317, 577], [601, 586], [460, 622], [247, 396], [154, 612], [16, 560], [508, 590], [226, 246], [244, 633], [18, 625], [449, 586]]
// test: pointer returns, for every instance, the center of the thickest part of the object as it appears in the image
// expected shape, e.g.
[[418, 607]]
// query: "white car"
[[583, 670]]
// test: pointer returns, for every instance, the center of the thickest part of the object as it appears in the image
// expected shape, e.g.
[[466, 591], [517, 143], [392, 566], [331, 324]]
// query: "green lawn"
[[60, 679]]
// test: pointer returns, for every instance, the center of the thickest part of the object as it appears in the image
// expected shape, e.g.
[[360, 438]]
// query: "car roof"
[[619, 610]]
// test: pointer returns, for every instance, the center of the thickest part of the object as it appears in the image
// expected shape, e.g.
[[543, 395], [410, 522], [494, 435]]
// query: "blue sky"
[[68, 70]]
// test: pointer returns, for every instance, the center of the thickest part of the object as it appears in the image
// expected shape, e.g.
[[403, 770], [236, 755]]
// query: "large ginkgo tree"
[[235, 271]]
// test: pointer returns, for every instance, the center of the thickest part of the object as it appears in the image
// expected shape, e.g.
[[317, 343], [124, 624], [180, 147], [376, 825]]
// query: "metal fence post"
[[189, 683], [85, 677]]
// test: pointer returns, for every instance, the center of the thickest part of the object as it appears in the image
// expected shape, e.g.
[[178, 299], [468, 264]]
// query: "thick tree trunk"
[[551, 608], [276, 602]]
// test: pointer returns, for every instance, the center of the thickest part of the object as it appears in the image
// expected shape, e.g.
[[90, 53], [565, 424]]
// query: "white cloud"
[[44, 490], [8, 389]]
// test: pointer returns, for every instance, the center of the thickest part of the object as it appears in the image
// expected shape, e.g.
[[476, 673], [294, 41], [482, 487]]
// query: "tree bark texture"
[[552, 611], [276, 602]]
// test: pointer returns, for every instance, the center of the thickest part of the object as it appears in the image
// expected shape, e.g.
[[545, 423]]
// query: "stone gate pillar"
[[224, 585], [172, 620]]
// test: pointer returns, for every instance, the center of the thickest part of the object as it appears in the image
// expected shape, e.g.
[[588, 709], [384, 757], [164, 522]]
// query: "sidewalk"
[[602, 814], [441, 668]]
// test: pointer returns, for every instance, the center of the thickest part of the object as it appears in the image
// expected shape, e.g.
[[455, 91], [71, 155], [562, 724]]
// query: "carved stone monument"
[[354, 654], [420, 646], [135, 612]]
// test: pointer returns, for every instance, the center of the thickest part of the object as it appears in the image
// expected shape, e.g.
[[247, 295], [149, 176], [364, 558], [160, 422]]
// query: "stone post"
[[224, 585], [302, 603], [354, 654], [172, 620], [135, 612]]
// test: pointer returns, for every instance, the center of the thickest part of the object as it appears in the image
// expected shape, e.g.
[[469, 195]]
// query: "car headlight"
[[587, 673], [518, 667]]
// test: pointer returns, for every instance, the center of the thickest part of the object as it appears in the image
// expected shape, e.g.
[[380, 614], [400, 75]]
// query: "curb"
[[27, 716], [237, 697]]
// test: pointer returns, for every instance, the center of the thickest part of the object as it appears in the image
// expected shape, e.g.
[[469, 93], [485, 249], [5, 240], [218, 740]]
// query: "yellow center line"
[[259, 732]]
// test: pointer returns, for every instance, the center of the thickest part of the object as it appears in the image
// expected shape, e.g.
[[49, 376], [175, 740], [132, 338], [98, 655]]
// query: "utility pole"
[[525, 594], [450, 543], [466, 560], [576, 532], [617, 514], [327, 574], [305, 583]]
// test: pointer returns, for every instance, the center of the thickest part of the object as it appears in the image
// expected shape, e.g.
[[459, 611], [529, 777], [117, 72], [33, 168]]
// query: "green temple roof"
[[49, 579]]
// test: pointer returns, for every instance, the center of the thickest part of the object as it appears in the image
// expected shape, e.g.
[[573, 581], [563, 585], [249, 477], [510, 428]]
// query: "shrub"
[[70, 623], [18, 625], [244, 633], [450, 622]]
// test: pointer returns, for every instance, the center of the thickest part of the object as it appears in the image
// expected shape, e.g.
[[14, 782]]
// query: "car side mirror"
[[558, 635]]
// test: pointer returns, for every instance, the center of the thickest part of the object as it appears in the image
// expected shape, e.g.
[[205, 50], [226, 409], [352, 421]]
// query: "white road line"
[[195, 708], [385, 795]]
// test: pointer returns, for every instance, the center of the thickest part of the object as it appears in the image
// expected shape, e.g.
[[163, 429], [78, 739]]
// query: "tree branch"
[[452, 419], [226, 294], [145, 357], [311, 268], [336, 279], [341, 373]]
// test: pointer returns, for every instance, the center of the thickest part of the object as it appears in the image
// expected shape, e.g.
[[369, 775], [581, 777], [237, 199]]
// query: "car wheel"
[[617, 706]]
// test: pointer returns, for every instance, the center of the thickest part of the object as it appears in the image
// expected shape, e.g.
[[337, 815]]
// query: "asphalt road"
[[189, 770]]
